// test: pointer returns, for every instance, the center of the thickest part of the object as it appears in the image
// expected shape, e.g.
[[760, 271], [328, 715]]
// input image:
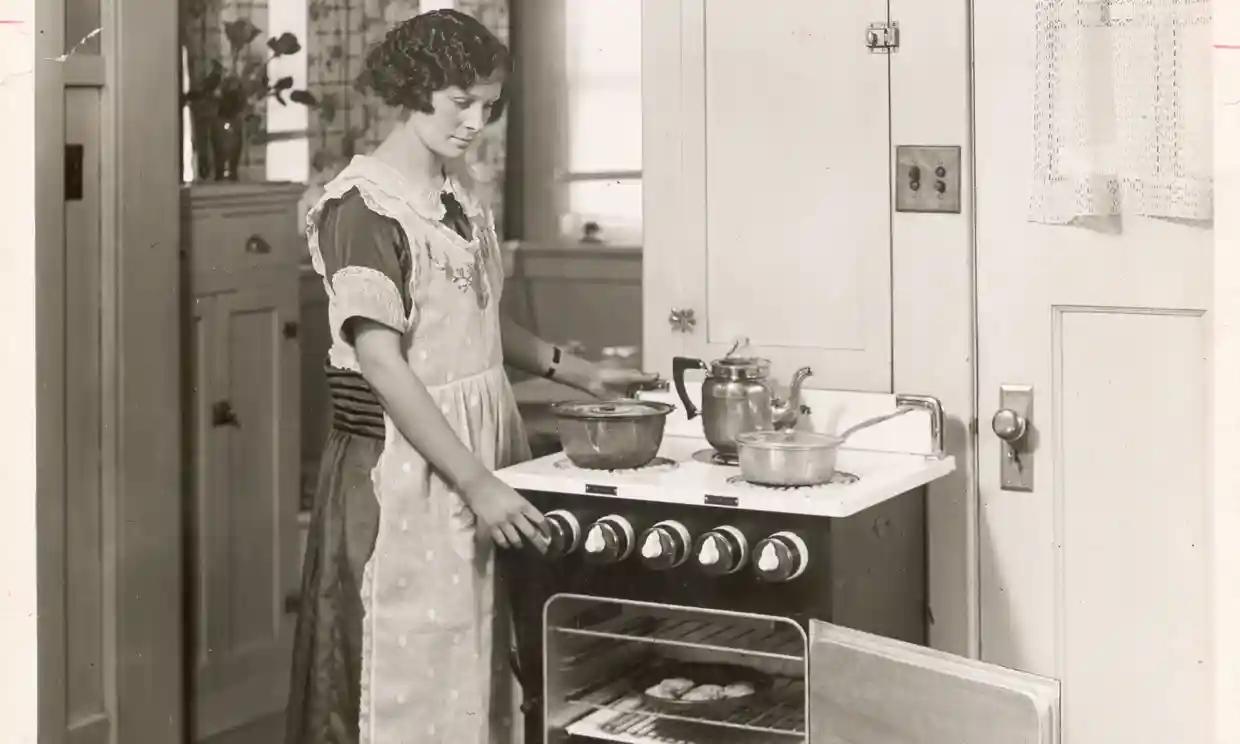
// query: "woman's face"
[[458, 117]]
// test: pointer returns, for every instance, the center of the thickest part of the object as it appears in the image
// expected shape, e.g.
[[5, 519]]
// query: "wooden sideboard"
[[242, 336]]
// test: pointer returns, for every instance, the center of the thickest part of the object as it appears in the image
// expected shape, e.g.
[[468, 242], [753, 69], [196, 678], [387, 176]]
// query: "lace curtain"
[[349, 122], [1122, 117]]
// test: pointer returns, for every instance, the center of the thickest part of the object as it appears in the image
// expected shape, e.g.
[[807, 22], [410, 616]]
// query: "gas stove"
[[687, 534], [895, 458]]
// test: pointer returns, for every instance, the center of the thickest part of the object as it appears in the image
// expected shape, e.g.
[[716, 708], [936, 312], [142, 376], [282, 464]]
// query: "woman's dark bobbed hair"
[[430, 52]]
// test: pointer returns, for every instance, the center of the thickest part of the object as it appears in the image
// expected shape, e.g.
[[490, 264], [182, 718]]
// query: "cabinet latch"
[[882, 37]]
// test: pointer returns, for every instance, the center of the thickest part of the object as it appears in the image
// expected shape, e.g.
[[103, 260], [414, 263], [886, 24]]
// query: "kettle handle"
[[679, 366]]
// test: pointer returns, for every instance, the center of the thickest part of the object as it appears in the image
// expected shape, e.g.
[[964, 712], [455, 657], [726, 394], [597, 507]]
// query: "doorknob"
[[222, 414], [1011, 424]]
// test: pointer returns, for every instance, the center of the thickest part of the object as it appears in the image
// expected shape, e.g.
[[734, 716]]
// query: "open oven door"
[[866, 689]]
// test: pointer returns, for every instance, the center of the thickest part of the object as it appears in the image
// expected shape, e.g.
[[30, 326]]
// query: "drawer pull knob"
[[256, 244]]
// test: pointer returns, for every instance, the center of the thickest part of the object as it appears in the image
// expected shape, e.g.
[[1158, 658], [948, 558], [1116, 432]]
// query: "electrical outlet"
[[927, 178]]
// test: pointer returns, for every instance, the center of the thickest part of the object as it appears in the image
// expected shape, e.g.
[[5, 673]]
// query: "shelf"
[[620, 714], [778, 642]]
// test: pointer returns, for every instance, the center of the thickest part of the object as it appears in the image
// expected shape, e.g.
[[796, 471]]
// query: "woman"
[[414, 648]]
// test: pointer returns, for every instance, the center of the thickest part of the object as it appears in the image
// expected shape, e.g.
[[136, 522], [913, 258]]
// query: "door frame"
[[140, 335]]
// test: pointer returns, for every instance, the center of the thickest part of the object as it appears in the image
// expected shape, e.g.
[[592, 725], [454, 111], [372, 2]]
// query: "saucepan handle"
[[874, 421]]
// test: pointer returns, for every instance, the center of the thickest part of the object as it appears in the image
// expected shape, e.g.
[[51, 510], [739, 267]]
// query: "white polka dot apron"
[[435, 653]]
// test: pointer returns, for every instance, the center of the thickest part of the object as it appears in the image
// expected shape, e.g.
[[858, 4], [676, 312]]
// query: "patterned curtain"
[[1122, 110], [348, 121]]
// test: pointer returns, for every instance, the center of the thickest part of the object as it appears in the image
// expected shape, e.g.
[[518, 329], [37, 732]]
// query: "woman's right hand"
[[504, 514]]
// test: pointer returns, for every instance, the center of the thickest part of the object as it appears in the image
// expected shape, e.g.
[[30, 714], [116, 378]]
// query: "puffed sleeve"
[[366, 261]]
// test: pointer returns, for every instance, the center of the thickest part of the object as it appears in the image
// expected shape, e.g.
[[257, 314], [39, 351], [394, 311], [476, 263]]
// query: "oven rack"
[[621, 713], [773, 641]]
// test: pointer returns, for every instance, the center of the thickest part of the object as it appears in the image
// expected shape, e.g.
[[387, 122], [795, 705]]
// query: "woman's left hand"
[[612, 382]]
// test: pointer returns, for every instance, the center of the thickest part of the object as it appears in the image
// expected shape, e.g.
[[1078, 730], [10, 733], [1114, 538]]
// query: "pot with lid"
[[611, 435], [737, 397]]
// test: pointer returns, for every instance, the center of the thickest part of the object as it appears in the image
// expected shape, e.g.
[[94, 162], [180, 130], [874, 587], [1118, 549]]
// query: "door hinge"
[[291, 329], [882, 37]]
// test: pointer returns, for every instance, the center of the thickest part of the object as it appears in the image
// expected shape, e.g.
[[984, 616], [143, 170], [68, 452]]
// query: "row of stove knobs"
[[723, 550]]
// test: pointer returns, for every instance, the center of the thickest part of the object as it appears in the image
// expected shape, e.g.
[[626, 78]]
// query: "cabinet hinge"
[[882, 37]]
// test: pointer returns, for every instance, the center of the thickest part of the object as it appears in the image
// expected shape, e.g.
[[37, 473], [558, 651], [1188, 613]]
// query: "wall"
[[1226, 371], [930, 100], [592, 295], [19, 611]]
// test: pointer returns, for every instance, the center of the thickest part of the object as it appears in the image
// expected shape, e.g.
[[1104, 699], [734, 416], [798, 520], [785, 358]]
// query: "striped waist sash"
[[355, 409]]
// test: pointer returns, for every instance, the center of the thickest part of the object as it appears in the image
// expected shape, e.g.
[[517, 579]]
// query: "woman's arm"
[[531, 354], [503, 512]]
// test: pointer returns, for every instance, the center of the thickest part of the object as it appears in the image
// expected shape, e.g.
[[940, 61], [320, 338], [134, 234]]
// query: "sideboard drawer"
[[244, 229]]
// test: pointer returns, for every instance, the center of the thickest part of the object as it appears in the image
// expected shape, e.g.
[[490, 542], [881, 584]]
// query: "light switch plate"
[[927, 178]]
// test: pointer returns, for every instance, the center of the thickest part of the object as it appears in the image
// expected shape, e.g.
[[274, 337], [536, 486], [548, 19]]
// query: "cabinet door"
[[865, 689], [766, 177], [247, 515]]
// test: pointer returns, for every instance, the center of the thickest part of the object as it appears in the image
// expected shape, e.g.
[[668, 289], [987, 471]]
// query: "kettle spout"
[[784, 414]]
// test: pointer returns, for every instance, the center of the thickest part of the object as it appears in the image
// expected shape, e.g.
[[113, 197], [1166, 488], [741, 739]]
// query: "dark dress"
[[325, 689]]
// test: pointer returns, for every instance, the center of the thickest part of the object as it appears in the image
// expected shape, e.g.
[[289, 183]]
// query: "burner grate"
[[657, 465], [714, 457], [839, 478]]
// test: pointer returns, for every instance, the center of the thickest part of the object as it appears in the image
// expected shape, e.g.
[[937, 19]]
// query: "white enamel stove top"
[[878, 464]]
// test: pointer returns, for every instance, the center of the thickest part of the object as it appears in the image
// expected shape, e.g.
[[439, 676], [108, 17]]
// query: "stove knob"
[[781, 557], [721, 551], [565, 531], [609, 540], [665, 545]]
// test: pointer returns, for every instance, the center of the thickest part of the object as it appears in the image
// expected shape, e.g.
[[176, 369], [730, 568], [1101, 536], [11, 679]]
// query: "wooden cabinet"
[[767, 186], [243, 251]]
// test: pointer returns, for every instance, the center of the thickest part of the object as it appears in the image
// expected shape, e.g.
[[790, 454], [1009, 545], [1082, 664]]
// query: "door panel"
[[866, 689], [248, 526], [1145, 594], [1105, 561], [748, 178], [89, 658]]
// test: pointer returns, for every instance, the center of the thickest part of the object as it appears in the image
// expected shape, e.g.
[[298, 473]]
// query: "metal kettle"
[[737, 397]]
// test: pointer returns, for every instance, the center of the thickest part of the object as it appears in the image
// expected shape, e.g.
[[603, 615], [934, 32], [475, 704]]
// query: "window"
[[602, 175], [578, 123], [288, 147], [285, 153]]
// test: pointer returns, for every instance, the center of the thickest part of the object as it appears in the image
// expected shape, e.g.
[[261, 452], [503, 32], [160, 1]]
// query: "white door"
[[109, 641], [807, 216], [1097, 576]]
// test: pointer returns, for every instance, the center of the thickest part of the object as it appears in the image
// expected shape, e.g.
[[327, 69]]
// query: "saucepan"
[[611, 435], [796, 458]]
